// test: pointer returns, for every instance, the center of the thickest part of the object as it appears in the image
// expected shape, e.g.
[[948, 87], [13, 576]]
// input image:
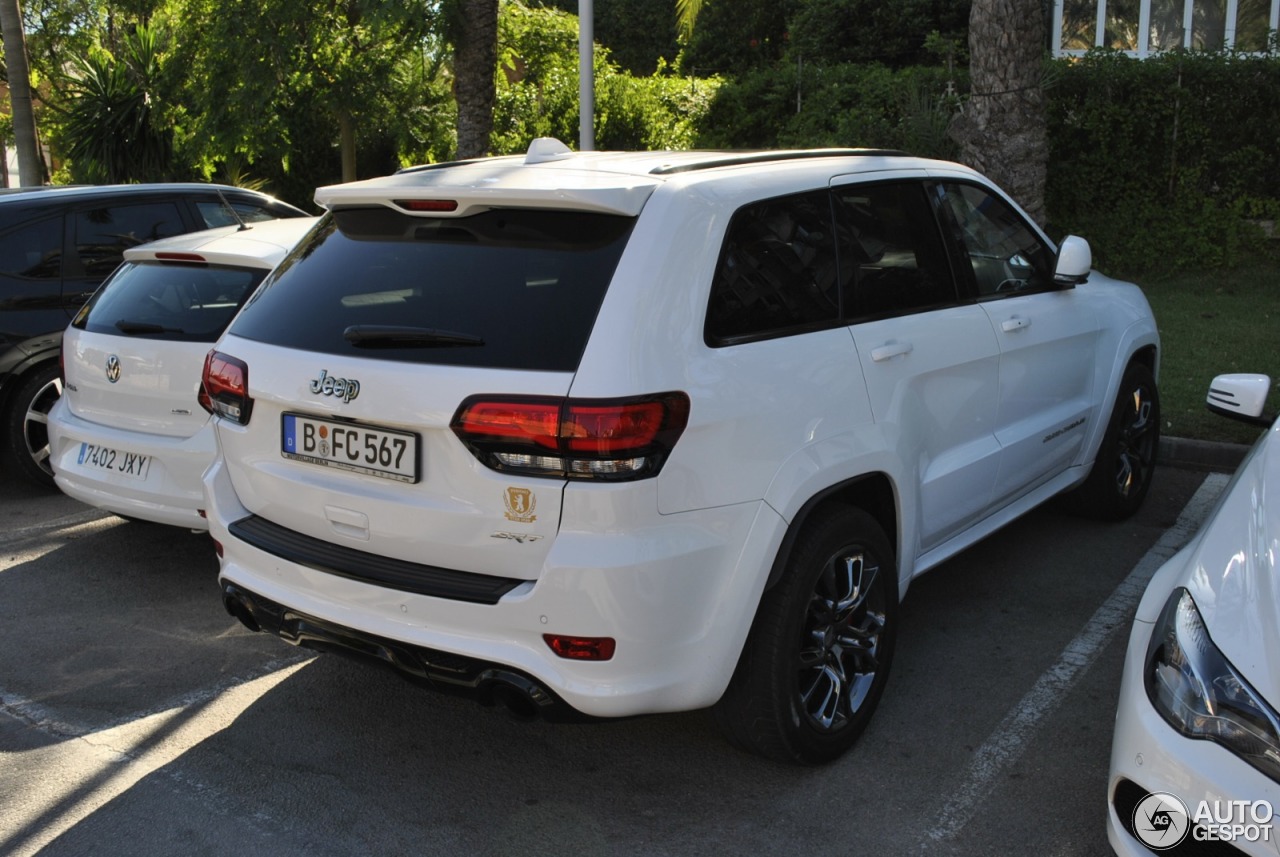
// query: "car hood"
[[1232, 569]]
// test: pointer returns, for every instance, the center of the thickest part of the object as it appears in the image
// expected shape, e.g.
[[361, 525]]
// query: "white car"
[[128, 434], [1195, 761], [609, 434]]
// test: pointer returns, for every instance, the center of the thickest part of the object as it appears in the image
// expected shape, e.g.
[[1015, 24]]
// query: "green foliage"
[[840, 105], [1160, 162], [111, 132], [268, 84], [732, 37], [538, 90], [640, 34], [859, 31]]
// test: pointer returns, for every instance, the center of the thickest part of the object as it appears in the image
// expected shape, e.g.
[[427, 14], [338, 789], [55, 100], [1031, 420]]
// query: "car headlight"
[[1202, 695]]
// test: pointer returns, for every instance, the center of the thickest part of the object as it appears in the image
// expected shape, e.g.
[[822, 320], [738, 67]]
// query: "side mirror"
[[1241, 397], [1075, 259]]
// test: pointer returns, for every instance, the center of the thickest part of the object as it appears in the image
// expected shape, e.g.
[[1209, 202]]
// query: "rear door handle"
[[1016, 323], [890, 350]]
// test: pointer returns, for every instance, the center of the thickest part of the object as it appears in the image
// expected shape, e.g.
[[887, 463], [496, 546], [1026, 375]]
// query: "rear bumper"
[[487, 683], [677, 593], [171, 492]]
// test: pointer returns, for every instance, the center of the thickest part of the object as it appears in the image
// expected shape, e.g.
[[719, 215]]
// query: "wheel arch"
[[17, 374], [874, 493]]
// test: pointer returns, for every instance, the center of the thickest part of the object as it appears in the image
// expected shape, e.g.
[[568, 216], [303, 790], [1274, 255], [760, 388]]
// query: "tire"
[[818, 655], [27, 424], [1121, 474]]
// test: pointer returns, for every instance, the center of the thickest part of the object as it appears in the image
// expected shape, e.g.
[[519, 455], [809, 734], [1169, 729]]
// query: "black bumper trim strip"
[[366, 567]]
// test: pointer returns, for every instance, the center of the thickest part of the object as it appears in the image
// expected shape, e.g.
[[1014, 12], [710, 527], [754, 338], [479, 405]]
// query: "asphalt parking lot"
[[137, 718]]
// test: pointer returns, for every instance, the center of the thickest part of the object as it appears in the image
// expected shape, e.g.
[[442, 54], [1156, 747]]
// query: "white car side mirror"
[[1241, 397], [1075, 259]]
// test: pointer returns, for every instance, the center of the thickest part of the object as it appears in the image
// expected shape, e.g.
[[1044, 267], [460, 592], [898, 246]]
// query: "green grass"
[[1213, 322]]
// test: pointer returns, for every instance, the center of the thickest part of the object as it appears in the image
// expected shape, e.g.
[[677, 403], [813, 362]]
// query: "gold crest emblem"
[[521, 503]]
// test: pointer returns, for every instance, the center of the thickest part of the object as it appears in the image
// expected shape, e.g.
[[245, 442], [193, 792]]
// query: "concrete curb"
[[1201, 454]]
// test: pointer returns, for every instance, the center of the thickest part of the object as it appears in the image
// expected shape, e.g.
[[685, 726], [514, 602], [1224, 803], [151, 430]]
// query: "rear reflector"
[[581, 648], [607, 439]]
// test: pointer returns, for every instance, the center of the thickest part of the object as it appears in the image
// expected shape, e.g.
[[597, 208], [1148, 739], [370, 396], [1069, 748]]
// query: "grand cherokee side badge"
[[327, 385], [113, 368]]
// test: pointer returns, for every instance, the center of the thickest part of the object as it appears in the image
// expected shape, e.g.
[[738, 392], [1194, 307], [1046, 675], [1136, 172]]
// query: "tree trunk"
[[1002, 130], [30, 164], [475, 60]]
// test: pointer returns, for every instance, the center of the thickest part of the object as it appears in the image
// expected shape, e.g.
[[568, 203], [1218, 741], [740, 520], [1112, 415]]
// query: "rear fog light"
[[581, 648]]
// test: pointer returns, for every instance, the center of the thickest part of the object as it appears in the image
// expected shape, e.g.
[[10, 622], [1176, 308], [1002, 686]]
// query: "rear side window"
[[33, 251], [174, 301], [893, 259], [777, 272], [103, 234], [513, 288]]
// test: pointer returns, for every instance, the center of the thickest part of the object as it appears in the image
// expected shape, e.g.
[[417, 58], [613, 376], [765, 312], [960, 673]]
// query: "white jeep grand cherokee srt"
[[608, 434]]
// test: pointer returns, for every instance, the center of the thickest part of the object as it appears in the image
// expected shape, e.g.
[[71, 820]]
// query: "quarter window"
[[777, 272], [219, 213]]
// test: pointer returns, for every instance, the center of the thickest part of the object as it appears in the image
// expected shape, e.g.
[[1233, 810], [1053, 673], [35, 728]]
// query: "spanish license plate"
[[359, 448], [132, 464]]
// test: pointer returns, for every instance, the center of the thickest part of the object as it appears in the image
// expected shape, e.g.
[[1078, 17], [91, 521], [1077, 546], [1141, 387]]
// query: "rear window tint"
[[161, 300], [104, 233], [511, 288], [33, 251]]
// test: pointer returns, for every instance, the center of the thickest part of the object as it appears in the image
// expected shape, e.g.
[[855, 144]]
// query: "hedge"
[[1163, 163]]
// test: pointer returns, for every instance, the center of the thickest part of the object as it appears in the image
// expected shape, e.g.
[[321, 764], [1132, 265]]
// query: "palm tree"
[[474, 26], [111, 129], [686, 16], [1003, 129], [30, 164]]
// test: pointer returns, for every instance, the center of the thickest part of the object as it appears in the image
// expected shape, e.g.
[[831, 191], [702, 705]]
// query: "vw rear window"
[[169, 300], [512, 288]]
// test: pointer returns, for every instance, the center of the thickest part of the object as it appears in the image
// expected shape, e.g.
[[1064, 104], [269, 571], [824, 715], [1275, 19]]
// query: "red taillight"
[[180, 257], [224, 387], [608, 439], [428, 204], [581, 648]]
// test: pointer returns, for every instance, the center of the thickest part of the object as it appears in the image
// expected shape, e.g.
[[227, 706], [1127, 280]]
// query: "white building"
[[1143, 27]]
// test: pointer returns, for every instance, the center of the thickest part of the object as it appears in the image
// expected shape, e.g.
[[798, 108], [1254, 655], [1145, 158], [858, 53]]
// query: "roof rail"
[[734, 159]]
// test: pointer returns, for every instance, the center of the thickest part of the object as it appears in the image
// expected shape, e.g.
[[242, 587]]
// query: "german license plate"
[[132, 464], [359, 448]]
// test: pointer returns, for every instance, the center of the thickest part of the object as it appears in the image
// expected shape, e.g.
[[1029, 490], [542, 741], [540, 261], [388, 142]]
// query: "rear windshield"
[[169, 300], [513, 288]]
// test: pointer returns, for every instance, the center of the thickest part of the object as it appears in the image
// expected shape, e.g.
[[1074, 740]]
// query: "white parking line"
[[1018, 728]]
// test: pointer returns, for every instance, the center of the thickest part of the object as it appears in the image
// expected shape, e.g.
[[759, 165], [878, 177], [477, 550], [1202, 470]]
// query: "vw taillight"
[[602, 439], [224, 387]]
